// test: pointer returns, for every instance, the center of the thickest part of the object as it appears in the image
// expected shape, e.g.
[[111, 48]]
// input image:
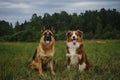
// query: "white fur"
[[74, 59], [82, 67], [72, 52], [72, 47], [68, 66]]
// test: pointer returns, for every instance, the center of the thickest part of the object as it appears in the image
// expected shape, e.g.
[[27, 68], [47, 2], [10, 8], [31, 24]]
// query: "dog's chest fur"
[[72, 52], [45, 52]]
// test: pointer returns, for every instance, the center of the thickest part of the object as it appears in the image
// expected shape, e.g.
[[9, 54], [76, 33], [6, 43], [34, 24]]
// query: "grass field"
[[104, 57]]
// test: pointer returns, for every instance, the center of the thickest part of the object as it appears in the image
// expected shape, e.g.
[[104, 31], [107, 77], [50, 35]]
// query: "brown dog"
[[44, 52], [76, 55]]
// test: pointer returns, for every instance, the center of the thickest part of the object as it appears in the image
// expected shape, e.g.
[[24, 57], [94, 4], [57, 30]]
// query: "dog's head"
[[74, 36], [47, 35]]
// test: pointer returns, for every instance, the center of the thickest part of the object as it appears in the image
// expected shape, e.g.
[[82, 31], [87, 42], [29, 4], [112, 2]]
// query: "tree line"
[[102, 24]]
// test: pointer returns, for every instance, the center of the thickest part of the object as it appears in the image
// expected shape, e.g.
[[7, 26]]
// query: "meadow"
[[103, 56]]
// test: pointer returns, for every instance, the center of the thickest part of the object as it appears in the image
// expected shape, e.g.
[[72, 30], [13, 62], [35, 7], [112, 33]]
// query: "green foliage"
[[103, 24], [15, 59], [88, 35], [26, 35], [108, 35], [99, 31], [60, 35], [5, 28]]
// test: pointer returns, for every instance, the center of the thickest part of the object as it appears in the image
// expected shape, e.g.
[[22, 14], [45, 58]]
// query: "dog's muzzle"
[[74, 40], [47, 39]]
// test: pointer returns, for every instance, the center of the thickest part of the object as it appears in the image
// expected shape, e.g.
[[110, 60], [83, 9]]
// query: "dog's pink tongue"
[[74, 42], [47, 42]]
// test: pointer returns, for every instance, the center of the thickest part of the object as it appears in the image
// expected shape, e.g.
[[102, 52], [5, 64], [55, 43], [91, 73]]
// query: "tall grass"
[[104, 58]]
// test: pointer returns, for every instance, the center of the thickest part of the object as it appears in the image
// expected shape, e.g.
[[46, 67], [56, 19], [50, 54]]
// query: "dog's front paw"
[[41, 74], [53, 73], [68, 67]]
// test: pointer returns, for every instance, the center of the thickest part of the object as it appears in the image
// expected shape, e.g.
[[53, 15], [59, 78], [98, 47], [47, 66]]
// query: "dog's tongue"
[[47, 42], [74, 42]]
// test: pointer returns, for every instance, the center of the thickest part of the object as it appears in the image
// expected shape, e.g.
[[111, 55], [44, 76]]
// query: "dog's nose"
[[47, 37], [73, 37]]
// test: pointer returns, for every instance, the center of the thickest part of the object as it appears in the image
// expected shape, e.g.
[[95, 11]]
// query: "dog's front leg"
[[68, 60], [51, 67], [40, 66]]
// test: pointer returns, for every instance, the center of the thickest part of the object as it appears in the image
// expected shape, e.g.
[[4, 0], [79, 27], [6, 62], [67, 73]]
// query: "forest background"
[[102, 24]]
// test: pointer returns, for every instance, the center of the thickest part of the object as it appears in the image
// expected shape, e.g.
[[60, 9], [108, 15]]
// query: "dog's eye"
[[78, 34], [45, 33]]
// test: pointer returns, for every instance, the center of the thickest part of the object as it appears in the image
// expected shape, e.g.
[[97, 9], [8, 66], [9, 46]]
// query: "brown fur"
[[81, 51], [82, 57], [44, 54]]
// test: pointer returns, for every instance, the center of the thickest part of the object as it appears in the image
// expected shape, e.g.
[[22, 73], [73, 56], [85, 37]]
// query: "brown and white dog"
[[44, 53], [76, 55]]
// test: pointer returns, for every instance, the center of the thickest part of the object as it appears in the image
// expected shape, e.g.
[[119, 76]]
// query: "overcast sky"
[[21, 10]]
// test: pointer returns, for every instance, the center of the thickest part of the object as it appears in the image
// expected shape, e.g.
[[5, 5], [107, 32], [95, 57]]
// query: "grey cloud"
[[21, 10]]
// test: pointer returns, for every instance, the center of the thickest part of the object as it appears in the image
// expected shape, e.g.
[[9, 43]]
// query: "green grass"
[[104, 58]]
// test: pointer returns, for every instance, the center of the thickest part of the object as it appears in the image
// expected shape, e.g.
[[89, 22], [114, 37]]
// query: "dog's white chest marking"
[[72, 47], [72, 52], [74, 60]]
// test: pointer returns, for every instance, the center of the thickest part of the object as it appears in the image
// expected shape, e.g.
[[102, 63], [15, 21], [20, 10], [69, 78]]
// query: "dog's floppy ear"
[[43, 29], [68, 34], [80, 33], [53, 29]]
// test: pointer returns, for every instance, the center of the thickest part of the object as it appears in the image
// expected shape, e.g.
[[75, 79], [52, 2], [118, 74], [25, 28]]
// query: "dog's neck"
[[47, 46], [72, 49]]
